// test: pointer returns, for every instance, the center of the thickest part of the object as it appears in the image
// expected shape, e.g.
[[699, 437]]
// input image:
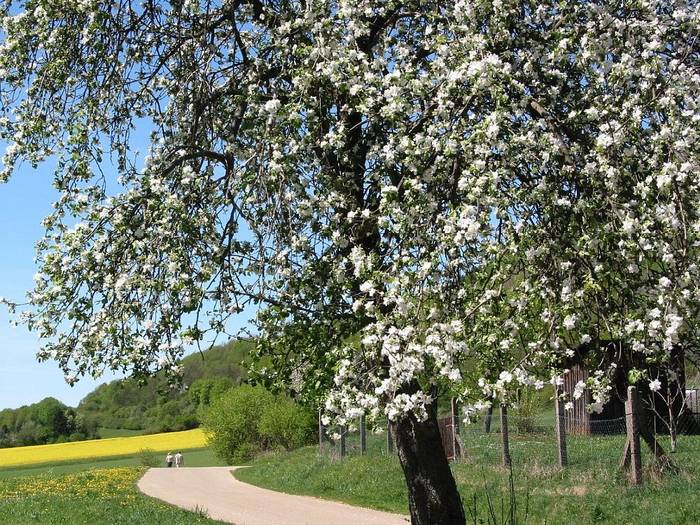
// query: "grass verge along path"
[[591, 490], [231, 500], [95, 497]]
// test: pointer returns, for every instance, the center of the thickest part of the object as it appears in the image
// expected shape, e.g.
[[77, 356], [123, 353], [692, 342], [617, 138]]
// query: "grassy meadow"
[[591, 490], [106, 433], [95, 496], [83, 483]]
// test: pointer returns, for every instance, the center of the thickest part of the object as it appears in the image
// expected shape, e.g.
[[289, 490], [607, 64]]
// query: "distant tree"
[[47, 421], [52, 415], [31, 433], [203, 391]]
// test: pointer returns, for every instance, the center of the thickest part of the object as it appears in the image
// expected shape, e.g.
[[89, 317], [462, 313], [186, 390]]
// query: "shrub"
[[286, 424], [530, 403], [149, 458], [232, 422], [247, 420]]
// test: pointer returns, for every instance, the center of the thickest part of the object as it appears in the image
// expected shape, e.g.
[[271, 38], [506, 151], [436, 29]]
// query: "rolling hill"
[[154, 406]]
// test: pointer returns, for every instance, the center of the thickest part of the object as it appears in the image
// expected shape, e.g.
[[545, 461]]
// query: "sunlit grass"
[[97, 496], [592, 489]]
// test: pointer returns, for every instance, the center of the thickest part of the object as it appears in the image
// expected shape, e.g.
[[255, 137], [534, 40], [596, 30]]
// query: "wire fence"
[[533, 442], [530, 442], [341, 441]]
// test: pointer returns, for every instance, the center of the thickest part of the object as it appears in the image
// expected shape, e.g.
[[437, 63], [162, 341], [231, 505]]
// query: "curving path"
[[223, 497]]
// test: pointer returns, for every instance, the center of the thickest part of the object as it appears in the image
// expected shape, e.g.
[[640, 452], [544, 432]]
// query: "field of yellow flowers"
[[99, 448], [97, 483], [92, 496]]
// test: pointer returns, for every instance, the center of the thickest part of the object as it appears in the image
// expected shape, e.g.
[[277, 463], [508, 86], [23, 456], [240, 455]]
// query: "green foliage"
[[248, 419], [232, 422], [287, 425], [48, 421], [154, 406], [149, 458], [529, 403], [203, 391]]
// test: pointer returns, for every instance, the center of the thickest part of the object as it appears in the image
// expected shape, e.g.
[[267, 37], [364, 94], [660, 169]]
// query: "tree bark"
[[432, 492]]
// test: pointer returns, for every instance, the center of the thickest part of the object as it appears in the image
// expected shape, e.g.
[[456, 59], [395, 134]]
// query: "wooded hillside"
[[154, 406], [126, 404]]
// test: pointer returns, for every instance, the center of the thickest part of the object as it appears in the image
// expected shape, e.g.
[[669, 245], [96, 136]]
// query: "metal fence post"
[[504, 435], [561, 431], [632, 447]]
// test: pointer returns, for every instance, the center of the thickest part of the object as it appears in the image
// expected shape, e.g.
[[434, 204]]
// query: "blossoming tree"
[[410, 191]]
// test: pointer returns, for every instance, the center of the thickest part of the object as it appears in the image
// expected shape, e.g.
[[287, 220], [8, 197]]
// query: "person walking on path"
[[169, 460], [178, 460]]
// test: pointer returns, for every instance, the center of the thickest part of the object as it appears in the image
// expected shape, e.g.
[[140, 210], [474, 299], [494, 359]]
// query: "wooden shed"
[[611, 420], [579, 420]]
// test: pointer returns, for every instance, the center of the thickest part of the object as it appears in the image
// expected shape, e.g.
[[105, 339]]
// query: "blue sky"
[[24, 201]]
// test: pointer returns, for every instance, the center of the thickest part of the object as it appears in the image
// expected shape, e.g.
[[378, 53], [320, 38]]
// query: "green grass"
[[94, 497], [591, 490], [81, 492], [375, 482], [203, 457], [106, 433]]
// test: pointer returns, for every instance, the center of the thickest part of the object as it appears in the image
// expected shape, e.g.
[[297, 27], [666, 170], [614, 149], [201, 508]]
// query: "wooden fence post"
[[320, 431], [487, 419], [363, 436], [504, 435], [455, 415], [343, 450], [454, 420], [389, 439], [561, 431], [632, 446]]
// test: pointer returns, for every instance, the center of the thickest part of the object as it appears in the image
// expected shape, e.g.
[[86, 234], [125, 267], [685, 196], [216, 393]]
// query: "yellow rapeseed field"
[[120, 446]]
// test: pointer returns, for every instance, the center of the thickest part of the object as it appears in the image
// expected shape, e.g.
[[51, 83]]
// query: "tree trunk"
[[432, 492]]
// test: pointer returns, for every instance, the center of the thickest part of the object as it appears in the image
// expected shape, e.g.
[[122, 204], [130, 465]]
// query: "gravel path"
[[223, 497]]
